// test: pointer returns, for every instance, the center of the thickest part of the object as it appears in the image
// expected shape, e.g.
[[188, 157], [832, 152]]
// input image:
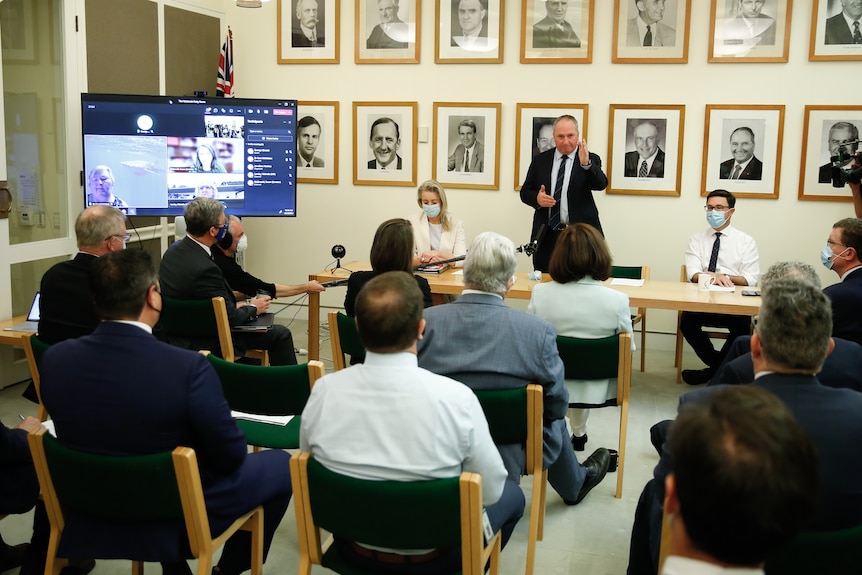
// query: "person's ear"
[[421, 329], [671, 499], [756, 348]]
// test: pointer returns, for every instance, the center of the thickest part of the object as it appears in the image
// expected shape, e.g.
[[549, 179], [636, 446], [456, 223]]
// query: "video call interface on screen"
[[152, 155]]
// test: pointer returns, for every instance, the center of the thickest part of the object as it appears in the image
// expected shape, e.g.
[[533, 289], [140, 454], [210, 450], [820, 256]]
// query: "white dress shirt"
[[737, 255]]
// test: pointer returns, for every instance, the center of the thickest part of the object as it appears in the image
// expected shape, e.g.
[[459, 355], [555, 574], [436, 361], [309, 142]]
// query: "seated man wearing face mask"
[[240, 280]]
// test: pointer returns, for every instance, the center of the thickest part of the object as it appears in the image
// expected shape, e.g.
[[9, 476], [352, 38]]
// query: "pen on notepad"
[[21, 417]]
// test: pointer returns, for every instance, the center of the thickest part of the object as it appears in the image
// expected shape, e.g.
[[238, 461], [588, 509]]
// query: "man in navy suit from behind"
[[120, 391]]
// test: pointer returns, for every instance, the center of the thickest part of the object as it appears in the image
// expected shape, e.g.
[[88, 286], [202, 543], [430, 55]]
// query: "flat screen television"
[[151, 155]]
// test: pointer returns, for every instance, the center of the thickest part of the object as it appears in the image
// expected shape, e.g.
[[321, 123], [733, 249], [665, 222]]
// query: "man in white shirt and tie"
[[730, 256]]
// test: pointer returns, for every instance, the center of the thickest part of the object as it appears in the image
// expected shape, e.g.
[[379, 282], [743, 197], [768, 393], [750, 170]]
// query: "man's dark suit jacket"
[[837, 31], [237, 278], [66, 307], [633, 161], [120, 391], [846, 299], [299, 40], [842, 368], [824, 176], [380, 40], [19, 487], [372, 164], [753, 171], [547, 34]]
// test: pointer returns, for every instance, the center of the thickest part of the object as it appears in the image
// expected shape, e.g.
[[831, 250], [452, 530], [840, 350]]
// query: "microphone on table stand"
[[531, 247]]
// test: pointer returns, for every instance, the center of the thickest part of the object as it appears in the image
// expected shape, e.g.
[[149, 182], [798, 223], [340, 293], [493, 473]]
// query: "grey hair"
[[490, 262], [201, 214], [96, 224], [790, 270], [795, 325]]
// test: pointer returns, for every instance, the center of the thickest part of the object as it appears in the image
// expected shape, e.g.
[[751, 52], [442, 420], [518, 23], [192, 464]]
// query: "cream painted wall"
[[640, 230]]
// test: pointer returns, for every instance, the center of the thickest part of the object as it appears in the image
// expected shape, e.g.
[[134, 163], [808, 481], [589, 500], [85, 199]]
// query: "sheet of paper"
[[49, 425], [722, 288], [626, 282], [271, 419]]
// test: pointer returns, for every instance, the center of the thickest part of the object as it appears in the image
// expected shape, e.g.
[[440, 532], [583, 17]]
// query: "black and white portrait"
[[647, 159]]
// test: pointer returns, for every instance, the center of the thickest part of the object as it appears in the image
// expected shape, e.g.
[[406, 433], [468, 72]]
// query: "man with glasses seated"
[[730, 257], [841, 255], [65, 305]]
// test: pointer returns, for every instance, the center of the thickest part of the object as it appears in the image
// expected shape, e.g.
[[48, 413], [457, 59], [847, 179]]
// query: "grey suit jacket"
[[663, 34], [483, 343], [477, 160]]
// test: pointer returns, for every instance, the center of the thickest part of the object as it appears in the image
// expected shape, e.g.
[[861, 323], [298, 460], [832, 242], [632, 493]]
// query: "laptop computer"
[[263, 323], [32, 323]]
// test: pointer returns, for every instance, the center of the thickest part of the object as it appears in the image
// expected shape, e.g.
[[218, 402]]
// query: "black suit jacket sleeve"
[[237, 278], [66, 306]]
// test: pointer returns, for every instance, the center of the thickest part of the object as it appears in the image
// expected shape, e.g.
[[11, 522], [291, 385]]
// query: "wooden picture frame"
[[320, 138], [647, 142], [826, 129], [744, 134], [19, 35], [749, 31], [557, 31], [454, 45], [452, 126], [384, 132], [533, 135], [669, 42], [395, 41], [831, 37], [294, 46]]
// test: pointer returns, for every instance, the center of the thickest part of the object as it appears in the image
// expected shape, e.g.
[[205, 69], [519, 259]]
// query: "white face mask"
[[242, 244]]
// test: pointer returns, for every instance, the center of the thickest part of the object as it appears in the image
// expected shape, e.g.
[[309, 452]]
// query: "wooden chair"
[[267, 390], [203, 318], [126, 490], [713, 334], [437, 513], [605, 358], [35, 348], [345, 340], [822, 552], [635, 273], [515, 416]]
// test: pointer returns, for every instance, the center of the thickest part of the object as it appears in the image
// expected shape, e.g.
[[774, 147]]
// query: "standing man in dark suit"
[[559, 191], [843, 28], [647, 161], [743, 165], [188, 272], [841, 254], [148, 397], [66, 306]]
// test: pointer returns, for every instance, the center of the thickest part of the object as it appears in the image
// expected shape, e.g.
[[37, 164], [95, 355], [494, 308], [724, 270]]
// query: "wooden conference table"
[[12, 337], [654, 294]]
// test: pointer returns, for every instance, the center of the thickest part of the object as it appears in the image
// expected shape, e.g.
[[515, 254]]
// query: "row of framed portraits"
[[561, 31], [644, 156]]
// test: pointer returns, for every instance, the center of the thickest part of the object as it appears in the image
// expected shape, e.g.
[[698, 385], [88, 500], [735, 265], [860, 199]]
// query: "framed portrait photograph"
[[749, 31], [384, 143], [387, 32], [308, 31], [651, 31], [557, 31], [830, 138], [742, 150], [835, 33], [534, 132], [466, 137], [645, 149], [468, 31], [19, 31], [317, 143]]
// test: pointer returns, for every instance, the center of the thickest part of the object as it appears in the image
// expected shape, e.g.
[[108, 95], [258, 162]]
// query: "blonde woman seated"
[[578, 305], [437, 235]]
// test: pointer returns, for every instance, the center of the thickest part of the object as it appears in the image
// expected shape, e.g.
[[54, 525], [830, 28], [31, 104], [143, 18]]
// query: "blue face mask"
[[715, 219], [222, 231], [826, 254], [431, 210]]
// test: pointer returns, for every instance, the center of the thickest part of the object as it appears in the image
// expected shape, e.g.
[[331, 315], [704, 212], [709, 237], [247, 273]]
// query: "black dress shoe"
[[697, 376], [597, 467], [579, 443], [12, 556]]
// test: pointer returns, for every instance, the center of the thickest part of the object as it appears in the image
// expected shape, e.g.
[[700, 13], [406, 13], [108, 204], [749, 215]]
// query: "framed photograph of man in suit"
[[557, 31], [468, 32], [742, 150], [317, 142], [387, 32], [651, 31], [836, 30], [749, 30], [466, 138], [308, 31], [384, 143], [645, 149], [830, 138], [534, 132]]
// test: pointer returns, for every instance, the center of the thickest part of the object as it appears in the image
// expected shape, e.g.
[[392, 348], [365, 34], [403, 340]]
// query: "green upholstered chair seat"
[[821, 552], [269, 435]]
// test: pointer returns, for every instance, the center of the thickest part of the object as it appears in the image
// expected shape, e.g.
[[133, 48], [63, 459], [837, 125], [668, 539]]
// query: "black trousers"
[[278, 342], [691, 326]]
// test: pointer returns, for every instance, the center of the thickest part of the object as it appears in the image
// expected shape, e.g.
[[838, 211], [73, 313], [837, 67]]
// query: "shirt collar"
[[397, 359], [480, 292], [205, 247], [147, 328], [848, 272]]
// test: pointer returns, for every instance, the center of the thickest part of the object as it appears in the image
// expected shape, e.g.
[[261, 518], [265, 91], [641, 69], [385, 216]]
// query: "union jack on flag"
[[224, 82]]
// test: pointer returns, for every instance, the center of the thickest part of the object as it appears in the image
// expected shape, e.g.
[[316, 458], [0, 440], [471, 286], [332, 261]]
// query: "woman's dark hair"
[[392, 249], [580, 251]]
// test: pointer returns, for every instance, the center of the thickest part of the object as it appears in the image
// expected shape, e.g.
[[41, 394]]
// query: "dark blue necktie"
[[713, 258], [554, 218]]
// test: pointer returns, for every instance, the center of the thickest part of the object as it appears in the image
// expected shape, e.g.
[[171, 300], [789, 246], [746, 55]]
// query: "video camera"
[[846, 167]]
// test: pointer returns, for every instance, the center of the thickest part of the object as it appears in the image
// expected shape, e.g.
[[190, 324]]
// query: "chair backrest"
[[512, 414], [197, 319], [630, 272], [819, 552], [35, 349], [345, 340], [591, 358], [266, 390]]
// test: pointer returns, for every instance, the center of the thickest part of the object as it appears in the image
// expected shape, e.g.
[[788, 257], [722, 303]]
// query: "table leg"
[[313, 326]]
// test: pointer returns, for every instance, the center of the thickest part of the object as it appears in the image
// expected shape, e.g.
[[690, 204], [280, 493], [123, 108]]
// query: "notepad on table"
[[627, 282], [270, 419]]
